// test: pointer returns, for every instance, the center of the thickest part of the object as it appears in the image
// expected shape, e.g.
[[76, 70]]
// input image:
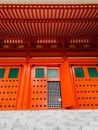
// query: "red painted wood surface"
[[27, 92], [86, 89]]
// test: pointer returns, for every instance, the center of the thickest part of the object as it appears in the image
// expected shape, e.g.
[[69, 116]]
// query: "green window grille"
[[92, 72], [39, 73], [52, 73], [2, 71], [13, 73], [79, 73]]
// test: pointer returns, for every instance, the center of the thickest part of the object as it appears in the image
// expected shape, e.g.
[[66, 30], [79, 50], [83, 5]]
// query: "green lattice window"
[[52, 73], [13, 73], [92, 72], [39, 73], [79, 73], [2, 71]]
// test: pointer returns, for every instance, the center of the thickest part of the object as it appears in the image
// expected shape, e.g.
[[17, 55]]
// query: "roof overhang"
[[48, 1], [40, 29]]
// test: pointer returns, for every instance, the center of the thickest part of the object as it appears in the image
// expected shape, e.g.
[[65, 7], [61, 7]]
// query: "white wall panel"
[[49, 120]]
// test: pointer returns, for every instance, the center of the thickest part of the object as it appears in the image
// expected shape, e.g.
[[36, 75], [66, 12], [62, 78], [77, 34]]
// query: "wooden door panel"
[[9, 89], [86, 89], [38, 96]]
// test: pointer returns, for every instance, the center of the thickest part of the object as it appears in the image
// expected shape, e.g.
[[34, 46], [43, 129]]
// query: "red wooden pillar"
[[66, 86], [21, 88], [26, 87]]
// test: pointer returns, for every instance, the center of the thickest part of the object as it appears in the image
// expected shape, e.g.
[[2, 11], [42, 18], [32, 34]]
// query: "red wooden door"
[[9, 85], [86, 86], [40, 96]]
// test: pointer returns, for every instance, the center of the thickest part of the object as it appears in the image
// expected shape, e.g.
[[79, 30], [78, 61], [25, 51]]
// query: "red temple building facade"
[[48, 56]]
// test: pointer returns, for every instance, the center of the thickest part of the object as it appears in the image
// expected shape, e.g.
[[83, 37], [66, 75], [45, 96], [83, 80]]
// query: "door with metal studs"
[[86, 86], [9, 85], [44, 88]]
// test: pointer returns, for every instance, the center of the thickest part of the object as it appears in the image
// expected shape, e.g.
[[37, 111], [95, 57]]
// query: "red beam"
[[84, 54], [47, 49], [48, 37], [48, 20], [48, 52], [48, 6], [13, 54]]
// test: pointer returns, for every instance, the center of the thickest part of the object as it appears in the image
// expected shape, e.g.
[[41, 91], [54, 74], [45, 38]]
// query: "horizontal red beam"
[[48, 6], [47, 49], [54, 52], [48, 20], [62, 40], [47, 37], [90, 54]]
